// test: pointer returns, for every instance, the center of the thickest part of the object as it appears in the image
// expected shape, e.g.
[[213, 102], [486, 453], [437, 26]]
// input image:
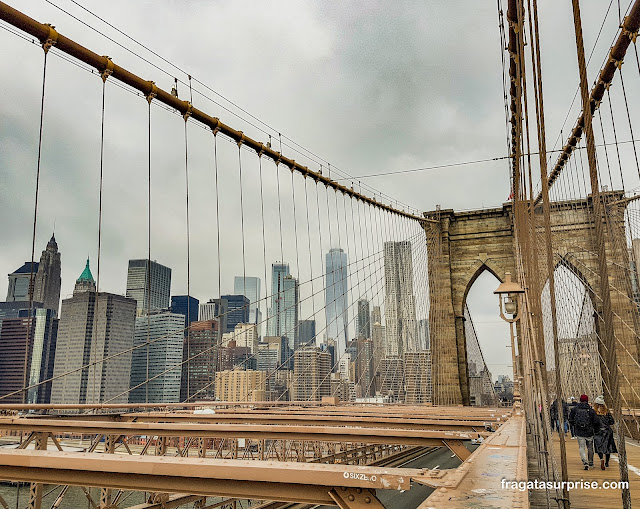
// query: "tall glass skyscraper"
[[336, 299], [250, 288], [149, 283], [165, 333], [285, 301]]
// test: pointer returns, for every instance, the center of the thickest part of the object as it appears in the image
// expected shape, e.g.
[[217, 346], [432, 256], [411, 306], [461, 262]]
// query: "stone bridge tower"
[[468, 243]]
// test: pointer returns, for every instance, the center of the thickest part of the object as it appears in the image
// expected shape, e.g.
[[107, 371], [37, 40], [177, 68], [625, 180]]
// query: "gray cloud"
[[370, 86]]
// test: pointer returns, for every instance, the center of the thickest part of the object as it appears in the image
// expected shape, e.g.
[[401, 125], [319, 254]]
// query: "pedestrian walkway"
[[600, 497]]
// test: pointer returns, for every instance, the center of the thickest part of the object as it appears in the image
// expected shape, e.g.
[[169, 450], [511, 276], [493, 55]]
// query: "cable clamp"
[[51, 39], [216, 129], [108, 71], [625, 31], [240, 142], [153, 93], [617, 63], [279, 160], [187, 113], [293, 165]]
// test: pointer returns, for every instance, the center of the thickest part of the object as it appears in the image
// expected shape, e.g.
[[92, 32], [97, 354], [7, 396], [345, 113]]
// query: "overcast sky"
[[369, 86]]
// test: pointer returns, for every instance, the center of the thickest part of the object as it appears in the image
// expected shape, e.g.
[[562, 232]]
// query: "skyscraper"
[[93, 327], [237, 311], [250, 288], [285, 300], [187, 306], [198, 375], [336, 301], [400, 308], [149, 283], [306, 333], [215, 309], [311, 377], [38, 337], [364, 320], [18, 289], [164, 331], [47, 282]]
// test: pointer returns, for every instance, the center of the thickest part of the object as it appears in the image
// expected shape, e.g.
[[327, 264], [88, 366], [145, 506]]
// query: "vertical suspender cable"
[[25, 381]]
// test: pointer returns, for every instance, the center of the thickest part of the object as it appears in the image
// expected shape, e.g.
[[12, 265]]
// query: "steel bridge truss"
[[315, 455]]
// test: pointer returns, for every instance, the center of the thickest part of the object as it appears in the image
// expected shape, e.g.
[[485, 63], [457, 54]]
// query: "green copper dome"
[[86, 274]]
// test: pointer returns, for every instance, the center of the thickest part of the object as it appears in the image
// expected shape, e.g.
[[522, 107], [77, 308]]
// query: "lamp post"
[[508, 293]]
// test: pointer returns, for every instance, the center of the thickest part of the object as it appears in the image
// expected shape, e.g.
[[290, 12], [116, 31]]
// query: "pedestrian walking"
[[583, 418], [603, 441], [553, 413], [572, 404], [565, 415]]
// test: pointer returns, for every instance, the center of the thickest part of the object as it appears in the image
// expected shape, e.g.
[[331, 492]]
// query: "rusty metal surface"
[[478, 481], [253, 431], [172, 474]]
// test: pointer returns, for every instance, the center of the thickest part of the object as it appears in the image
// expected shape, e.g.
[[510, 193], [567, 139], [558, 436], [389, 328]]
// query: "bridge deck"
[[581, 497], [477, 482]]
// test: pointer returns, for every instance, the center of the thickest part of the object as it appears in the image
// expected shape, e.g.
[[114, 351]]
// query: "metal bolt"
[[358, 490], [367, 500], [351, 497]]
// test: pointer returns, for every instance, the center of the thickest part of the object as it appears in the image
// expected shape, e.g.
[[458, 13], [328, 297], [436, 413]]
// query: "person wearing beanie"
[[603, 441], [583, 418]]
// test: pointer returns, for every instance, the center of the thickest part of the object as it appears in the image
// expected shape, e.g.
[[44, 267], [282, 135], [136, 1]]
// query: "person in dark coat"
[[603, 441], [572, 405], [585, 423], [553, 413], [565, 415]]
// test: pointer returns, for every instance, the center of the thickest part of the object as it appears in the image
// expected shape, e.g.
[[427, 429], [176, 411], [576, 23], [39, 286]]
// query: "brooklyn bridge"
[[292, 336]]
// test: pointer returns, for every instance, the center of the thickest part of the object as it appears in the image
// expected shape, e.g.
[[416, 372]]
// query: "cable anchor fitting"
[[617, 63], [187, 113], [625, 31], [108, 71], [240, 142], [51, 39], [153, 93]]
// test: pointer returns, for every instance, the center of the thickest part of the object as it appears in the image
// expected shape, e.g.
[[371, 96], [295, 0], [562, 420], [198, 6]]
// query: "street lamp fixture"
[[508, 293], [508, 297]]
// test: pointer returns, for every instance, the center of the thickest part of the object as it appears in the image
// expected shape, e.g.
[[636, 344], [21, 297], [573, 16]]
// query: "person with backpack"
[[572, 404], [603, 439], [585, 423]]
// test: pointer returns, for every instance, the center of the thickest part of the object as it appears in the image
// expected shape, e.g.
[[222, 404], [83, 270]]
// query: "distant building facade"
[[237, 311], [285, 303], [164, 333], [250, 287], [392, 379], [200, 355], [187, 306], [93, 327], [417, 377], [336, 297], [306, 333], [19, 282], [48, 281], [149, 283], [33, 339], [364, 319], [311, 376], [214, 309], [400, 310], [238, 385]]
